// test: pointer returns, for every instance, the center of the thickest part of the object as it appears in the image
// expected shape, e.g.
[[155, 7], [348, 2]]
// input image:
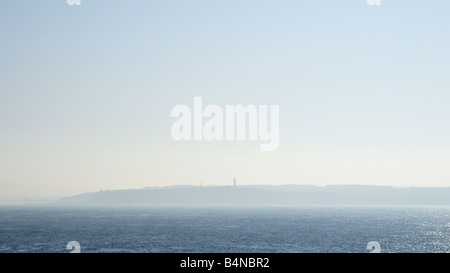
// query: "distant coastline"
[[265, 195]]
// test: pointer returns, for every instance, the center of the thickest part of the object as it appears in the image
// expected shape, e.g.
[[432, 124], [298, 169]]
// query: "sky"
[[86, 92]]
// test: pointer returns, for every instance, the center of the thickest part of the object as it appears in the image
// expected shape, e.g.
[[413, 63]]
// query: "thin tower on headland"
[[234, 181]]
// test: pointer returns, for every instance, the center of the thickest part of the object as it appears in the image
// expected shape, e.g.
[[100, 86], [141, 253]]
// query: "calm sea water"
[[221, 229]]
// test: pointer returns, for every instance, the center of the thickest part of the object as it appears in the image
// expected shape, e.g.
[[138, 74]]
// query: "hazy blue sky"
[[86, 91]]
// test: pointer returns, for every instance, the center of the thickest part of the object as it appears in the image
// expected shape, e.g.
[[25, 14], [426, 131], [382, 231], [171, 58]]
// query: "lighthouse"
[[234, 181]]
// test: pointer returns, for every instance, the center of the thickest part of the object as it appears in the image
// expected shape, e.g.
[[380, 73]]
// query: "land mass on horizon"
[[265, 195]]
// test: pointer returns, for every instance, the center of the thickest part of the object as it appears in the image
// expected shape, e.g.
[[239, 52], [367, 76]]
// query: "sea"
[[259, 229]]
